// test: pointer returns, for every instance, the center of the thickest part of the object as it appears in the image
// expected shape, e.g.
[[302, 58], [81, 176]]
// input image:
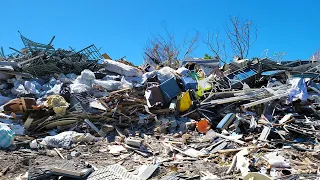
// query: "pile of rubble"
[[81, 115]]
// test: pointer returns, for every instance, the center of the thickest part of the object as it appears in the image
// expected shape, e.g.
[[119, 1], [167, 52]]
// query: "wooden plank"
[[58, 152]]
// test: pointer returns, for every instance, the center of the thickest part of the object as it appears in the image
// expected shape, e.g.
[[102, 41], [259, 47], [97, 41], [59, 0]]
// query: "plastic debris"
[[121, 68], [249, 118], [6, 136], [65, 139]]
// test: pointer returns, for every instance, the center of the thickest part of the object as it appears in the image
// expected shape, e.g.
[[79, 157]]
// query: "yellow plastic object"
[[184, 101], [58, 104], [203, 85]]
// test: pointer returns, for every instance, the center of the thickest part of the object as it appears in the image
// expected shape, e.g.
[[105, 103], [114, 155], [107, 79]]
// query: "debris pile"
[[82, 115]]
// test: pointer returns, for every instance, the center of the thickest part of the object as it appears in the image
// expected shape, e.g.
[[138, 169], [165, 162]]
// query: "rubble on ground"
[[79, 115]]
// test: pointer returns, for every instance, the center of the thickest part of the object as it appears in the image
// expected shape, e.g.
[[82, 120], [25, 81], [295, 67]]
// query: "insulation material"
[[58, 104]]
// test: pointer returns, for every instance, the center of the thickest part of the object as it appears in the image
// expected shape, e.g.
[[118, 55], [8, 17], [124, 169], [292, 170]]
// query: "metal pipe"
[[228, 100], [2, 52], [31, 59], [16, 50], [264, 100], [49, 44]]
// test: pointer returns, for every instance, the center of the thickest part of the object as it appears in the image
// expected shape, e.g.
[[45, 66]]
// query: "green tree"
[[207, 56]]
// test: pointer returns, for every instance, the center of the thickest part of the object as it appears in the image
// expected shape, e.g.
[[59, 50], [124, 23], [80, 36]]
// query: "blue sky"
[[123, 27]]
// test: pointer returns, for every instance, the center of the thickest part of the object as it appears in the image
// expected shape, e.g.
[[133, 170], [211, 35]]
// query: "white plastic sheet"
[[298, 89], [165, 74], [242, 163], [32, 87], [135, 81], [111, 77], [87, 77], [109, 85], [84, 82], [123, 69], [162, 74], [55, 90], [79, 88], [18, 89], [112, 85], [65, 139], [276, 160]]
